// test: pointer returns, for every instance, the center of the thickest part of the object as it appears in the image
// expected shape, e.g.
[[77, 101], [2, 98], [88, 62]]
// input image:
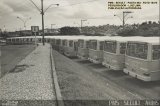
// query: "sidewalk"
[[31, 79]]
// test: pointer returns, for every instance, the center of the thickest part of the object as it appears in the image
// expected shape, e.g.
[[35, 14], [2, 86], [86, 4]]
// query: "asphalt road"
[[11, 55], [83, 80]]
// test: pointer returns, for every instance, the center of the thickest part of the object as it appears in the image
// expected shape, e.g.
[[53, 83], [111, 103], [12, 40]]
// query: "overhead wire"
[[78, 3], [20, 5], [35, 6]]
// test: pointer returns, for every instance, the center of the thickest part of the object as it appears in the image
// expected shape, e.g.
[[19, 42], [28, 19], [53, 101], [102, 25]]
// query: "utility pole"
[[42, 13], [124, 19], [159, 21], [159, 29]]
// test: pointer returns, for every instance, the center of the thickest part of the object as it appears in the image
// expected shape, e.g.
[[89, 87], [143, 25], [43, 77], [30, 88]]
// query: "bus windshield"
[[93, 44], [87, 44], [80, 43], [138, 50], [110, 46], [58, 42], [156, 52], [53, 41], [63, 42], [70, 43]]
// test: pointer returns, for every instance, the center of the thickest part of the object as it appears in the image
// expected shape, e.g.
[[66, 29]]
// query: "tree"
[[128, 32], [69, 31]]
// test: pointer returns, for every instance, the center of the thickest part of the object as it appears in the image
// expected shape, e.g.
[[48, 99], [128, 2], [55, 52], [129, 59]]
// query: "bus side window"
[[87, 44], [93, 45], [63, 43], [122, 48], [131, 49], [156, 52], [81, 43], [110, 46], [137, 50], [70, 43], [101, 45], [141, 51]]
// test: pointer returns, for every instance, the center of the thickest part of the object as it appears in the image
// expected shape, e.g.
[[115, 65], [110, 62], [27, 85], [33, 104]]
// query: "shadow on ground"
[[84, 61], [20, 68], [114, 73], [143, 84], [97, 66]]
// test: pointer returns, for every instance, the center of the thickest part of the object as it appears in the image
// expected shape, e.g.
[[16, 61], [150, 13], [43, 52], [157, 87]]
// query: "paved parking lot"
[[84, 80]]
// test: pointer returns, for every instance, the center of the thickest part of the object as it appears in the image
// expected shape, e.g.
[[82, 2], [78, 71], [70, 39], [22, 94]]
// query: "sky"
[[70, 13]]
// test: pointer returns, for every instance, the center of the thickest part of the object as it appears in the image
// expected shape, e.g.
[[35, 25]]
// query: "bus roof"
[[152, 40]]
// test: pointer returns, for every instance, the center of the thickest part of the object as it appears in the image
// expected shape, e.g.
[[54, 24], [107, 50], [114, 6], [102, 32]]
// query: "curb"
[[59, 99]]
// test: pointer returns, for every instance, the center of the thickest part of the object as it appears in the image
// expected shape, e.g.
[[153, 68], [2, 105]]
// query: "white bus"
[[83, 51], [142, 59], [53, 43], [71, 46], [96, 49], [58, 43], [114, 52], [83, 47], [9, 41]]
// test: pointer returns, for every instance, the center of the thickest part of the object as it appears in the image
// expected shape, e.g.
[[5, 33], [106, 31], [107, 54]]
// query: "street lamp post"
[[82, 23], [24, 21], [42, 12], [124, 19], [52, 27], [159, 28]]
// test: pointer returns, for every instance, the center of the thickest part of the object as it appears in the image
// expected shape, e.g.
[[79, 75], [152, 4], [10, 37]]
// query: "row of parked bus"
[[137, 56]]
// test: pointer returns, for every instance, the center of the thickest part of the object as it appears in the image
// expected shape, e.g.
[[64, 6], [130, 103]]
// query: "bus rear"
[[113, 54], [53, 43], [95, 51], [71, 47], [57, 44], [8, 41], [142, 60], [83, 51]]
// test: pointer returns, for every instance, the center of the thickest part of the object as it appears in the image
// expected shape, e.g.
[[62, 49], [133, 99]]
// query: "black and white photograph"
[[79, 52]]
